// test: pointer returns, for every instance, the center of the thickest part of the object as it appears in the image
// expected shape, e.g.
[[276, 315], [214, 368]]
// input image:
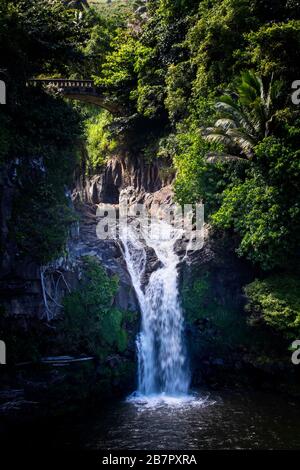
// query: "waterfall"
[[162, 362]]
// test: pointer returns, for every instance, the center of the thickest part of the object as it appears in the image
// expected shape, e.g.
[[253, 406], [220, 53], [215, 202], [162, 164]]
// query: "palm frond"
[[251, 79], [226, 123], [245, 117], [218, 138], [240, 116], [214, 158], [243, 140]]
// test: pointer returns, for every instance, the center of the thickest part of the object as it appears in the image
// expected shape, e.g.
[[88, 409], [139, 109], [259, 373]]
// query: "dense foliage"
[[275, 302], [182, 65], [41, 134], [211, 82], [37, 147]]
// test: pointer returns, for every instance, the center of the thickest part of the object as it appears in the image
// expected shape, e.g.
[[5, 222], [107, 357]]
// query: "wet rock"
[[152, 265], [126, 298], [120, 173]]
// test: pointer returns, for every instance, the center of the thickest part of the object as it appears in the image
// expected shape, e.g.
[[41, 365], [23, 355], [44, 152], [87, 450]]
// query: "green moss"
[[91, 324]]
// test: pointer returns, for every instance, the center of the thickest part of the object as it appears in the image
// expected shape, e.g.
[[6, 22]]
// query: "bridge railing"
[[61, 82]]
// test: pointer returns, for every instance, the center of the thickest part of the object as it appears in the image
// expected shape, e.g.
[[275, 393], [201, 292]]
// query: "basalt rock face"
[[24, 284], [27, 290], [118, 174], [121, 181]]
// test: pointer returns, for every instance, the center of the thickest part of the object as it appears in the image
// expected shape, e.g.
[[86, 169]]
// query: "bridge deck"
[[81, 90], [62, 82]]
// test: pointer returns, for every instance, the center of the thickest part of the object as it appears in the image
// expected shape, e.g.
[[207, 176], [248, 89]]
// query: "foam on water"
[[164, 401]]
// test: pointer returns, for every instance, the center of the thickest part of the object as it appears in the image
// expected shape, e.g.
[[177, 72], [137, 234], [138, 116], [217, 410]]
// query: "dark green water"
[[213, 420]]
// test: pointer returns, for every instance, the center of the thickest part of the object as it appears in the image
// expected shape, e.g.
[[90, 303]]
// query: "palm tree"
[[247, 116]]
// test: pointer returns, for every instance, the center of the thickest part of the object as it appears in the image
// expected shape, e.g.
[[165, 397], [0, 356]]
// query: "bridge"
[[81, 90]]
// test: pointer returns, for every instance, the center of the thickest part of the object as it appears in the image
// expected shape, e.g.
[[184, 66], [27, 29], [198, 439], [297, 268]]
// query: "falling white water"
[[162, 363]]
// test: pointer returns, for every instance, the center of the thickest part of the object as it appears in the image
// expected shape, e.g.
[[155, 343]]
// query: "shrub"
[[275, 302], [100, 143]]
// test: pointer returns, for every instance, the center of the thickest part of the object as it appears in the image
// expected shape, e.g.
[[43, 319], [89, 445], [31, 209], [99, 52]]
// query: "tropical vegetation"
[[204, 87]]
